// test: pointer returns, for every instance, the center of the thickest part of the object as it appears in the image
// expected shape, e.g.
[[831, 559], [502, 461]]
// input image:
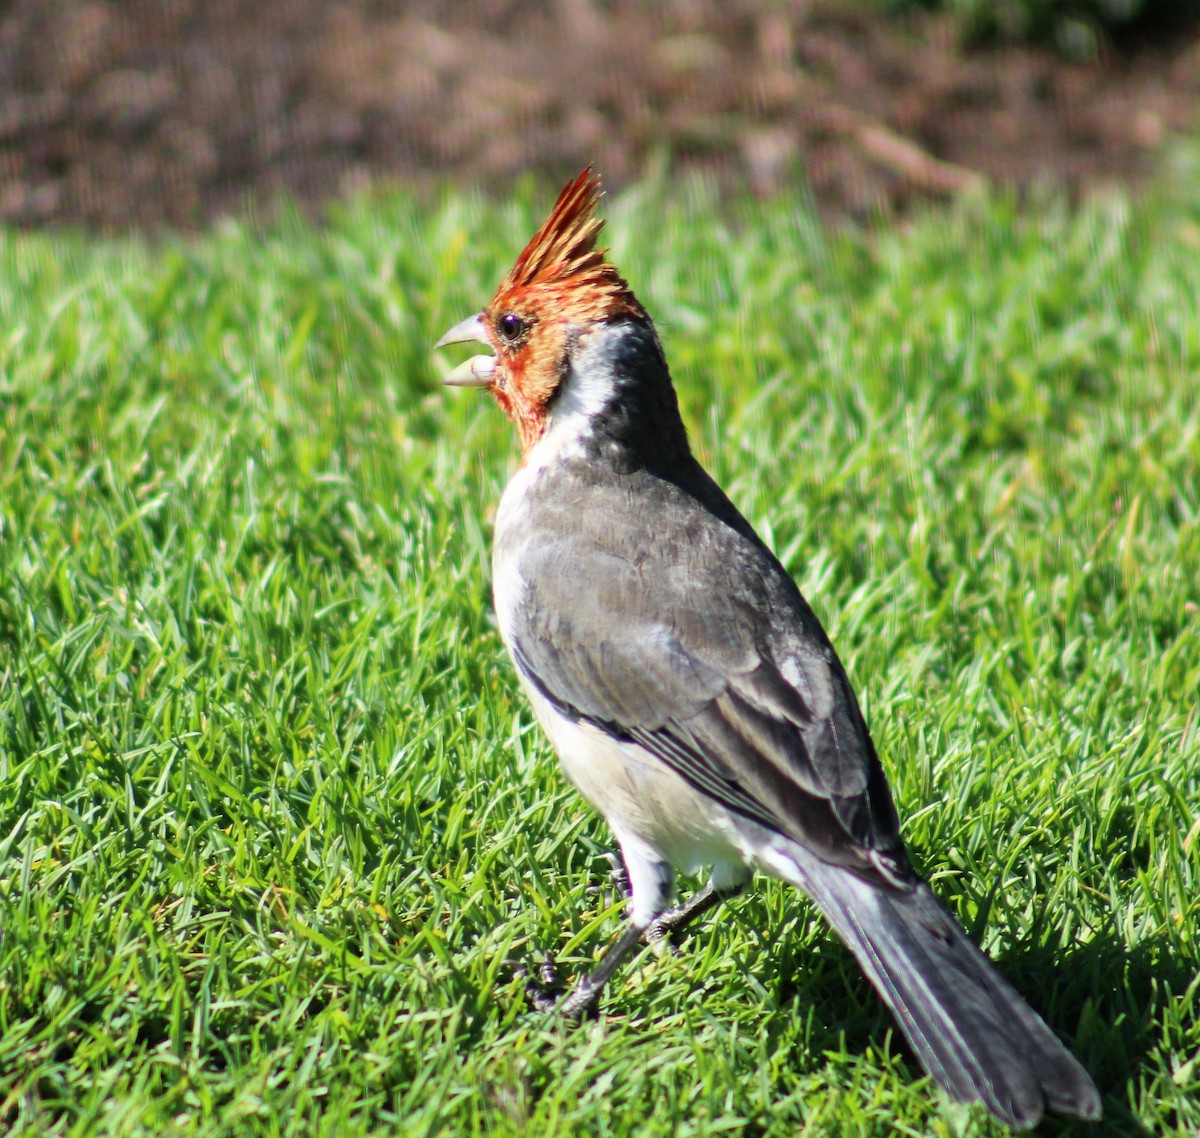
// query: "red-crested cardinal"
[[691, 693]]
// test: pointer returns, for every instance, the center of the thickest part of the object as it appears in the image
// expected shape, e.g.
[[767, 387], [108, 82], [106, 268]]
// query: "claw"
[[618, 882], [666, 932], [657, 931], [582, 1003], [618, 876], [545, 990], [548, 974], [677, 920]]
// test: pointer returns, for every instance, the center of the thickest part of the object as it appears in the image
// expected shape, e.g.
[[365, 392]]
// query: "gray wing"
[[715, 664]]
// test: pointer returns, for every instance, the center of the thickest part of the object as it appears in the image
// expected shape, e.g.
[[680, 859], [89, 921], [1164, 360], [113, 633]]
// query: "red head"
[[560, 287]]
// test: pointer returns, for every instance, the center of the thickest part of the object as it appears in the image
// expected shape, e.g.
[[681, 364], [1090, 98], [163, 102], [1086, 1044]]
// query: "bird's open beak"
[[478, 370]]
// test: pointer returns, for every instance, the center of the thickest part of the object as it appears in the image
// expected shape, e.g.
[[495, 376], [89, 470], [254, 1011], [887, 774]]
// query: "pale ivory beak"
[[478, 370]]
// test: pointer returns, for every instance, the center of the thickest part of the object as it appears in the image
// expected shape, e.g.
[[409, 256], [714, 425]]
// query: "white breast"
[[649, 807], [645, 802]]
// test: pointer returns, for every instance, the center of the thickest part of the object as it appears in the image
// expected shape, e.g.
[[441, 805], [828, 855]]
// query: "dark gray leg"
[[546, 992], [587, 992], [674, 920], [648, 879], [618, 887]]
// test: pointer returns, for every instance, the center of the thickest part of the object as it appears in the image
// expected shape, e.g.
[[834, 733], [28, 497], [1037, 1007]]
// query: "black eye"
[[511, 326]]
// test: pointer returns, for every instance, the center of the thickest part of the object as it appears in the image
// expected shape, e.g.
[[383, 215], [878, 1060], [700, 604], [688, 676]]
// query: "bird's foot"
[[546, 992], [543, 988], [618, 887], [661, 928], [677, 919], [618, 876], [584, 1000]]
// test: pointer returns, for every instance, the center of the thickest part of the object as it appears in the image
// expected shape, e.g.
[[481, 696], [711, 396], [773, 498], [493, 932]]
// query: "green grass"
[[273, 817]]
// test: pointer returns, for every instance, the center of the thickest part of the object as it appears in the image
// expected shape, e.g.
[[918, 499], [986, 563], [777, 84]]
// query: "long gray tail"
[[969, 1027]]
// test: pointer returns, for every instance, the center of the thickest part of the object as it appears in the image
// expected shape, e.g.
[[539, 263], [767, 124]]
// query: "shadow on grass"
[[1104, 998], [1112, 994]]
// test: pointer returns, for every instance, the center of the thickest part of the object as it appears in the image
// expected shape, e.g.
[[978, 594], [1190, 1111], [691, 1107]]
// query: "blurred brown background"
[[153, 112]]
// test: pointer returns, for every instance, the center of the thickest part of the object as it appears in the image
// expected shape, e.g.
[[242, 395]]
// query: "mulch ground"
[[155, 113]]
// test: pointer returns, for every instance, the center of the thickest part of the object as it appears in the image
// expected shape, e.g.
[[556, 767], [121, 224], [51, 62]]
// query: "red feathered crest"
[[562, 254]]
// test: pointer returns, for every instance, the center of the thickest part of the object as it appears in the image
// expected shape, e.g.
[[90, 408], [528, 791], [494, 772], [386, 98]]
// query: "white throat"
[[587, 392]]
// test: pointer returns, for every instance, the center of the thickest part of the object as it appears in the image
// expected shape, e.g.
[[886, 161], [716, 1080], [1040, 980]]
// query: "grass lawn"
[[274, 820]]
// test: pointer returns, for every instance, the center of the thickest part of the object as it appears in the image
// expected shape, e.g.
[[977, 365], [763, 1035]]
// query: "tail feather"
[[970, 1028]]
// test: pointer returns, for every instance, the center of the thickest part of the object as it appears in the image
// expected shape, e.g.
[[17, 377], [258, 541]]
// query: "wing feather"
[[716, 665]]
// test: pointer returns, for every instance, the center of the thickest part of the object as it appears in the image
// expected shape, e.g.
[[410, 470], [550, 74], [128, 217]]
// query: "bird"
[[690, 691]]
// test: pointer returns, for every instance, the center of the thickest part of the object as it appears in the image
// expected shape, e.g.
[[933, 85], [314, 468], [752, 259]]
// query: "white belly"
[[642, 798], [657, 817]]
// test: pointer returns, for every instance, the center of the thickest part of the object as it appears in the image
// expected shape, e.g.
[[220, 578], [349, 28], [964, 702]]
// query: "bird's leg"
[[674, 920], [618, 881], [587, 992], [546, 992], [650, 883], [582, 1001], [618, 876]]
